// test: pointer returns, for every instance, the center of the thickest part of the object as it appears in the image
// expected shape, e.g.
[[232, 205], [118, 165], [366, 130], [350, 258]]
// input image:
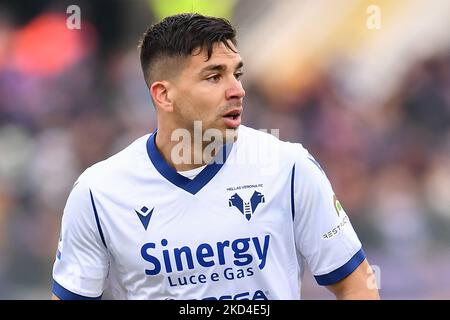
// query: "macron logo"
[[144, 216]]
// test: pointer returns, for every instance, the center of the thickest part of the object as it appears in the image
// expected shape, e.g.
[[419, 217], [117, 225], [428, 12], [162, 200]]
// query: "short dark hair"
[[176, 37]]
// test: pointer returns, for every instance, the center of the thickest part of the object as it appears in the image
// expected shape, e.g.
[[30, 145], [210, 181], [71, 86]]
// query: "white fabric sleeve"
[[324, 235], [82, 260]]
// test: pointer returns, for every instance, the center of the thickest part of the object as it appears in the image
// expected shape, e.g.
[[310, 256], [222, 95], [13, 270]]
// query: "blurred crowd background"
[[364, 85]]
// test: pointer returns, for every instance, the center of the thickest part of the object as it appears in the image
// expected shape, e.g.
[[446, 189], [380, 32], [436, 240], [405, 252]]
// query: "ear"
[[159, 91]]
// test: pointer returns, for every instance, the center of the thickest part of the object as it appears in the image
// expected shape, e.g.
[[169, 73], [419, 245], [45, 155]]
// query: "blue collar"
[[192, 186]]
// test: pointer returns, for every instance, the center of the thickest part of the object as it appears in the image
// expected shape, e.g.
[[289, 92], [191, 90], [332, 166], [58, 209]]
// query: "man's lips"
[[233, 113], [232, 118]]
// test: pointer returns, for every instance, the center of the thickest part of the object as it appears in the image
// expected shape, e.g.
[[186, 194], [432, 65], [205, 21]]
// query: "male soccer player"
[[236, 215]]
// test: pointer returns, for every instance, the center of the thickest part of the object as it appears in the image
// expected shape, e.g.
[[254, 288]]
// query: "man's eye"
[[238, 75], [214, 78]]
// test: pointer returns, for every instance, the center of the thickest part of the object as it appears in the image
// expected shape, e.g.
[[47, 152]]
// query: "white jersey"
[[243, 229]]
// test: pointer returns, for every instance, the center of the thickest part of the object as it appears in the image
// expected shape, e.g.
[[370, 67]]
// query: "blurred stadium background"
[[371, 103]]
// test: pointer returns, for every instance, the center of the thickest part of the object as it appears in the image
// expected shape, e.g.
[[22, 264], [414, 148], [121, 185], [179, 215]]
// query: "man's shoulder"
[[118, 165]]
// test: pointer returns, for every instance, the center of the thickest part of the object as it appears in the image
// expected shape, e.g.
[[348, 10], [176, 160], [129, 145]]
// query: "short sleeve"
[[82, 260], [324, 236]]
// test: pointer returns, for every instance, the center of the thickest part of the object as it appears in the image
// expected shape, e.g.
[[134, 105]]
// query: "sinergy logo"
[[205, 255]]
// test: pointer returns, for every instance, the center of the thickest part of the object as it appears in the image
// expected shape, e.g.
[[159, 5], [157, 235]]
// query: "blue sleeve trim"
[[342, 272], [97, 220], [292, 193], [65, 294]]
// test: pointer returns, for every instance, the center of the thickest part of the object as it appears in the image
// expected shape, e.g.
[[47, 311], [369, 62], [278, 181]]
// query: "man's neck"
[[185, 153]]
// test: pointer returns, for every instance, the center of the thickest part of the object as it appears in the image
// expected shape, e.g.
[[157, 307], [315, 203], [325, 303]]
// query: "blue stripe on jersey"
[[64, 294], [342, 272], [192, 186], [97, 220], [292, 192], [311, 158]]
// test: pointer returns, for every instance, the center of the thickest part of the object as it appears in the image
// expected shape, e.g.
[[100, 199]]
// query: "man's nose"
[[235, 91]]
